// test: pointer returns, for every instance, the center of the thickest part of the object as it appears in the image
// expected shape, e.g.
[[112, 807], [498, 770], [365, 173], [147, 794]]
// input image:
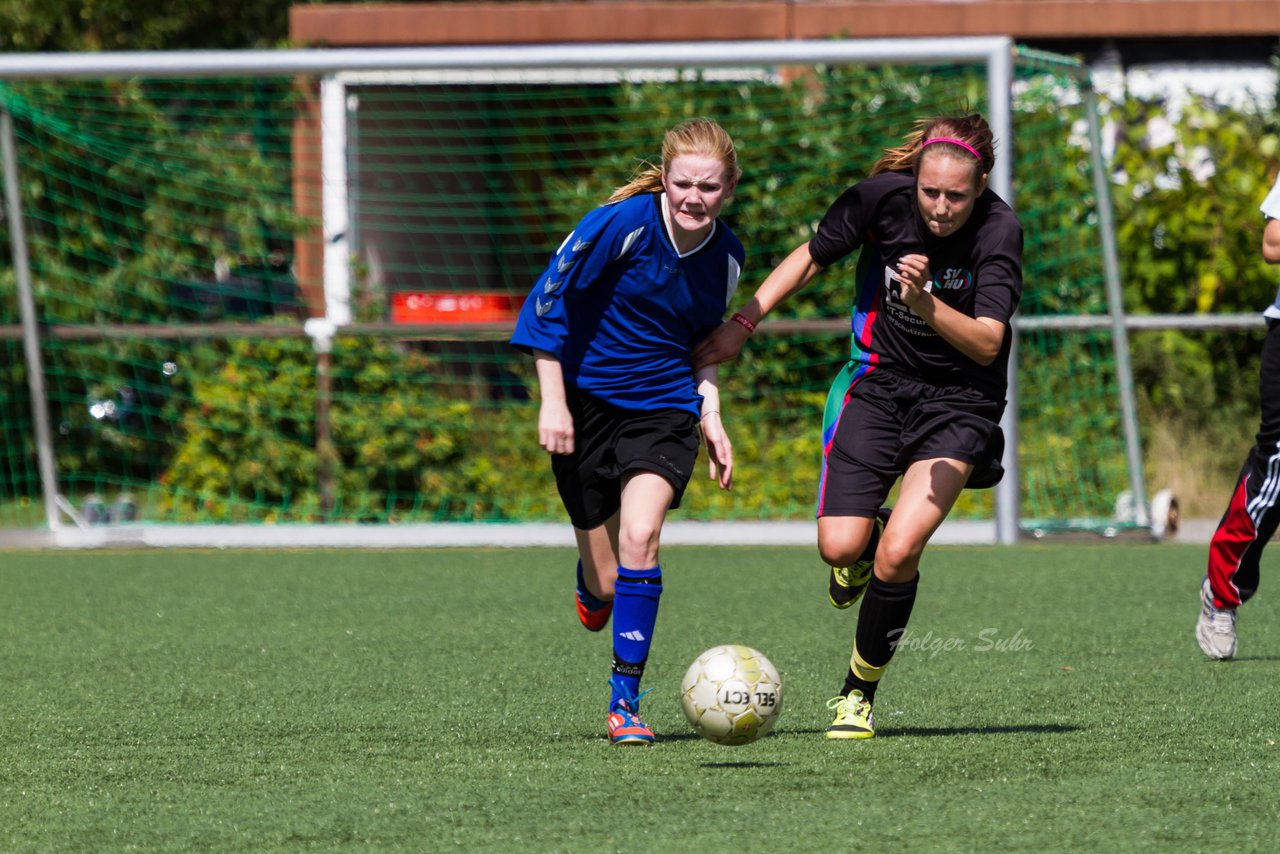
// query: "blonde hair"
[[963, 136], [693, 136]]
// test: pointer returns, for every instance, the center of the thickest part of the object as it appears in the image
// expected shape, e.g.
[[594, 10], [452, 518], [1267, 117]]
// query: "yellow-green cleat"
[[853, 717], [847, 583]]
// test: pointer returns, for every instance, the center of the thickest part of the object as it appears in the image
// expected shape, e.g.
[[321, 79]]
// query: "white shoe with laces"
[[1216, 627]]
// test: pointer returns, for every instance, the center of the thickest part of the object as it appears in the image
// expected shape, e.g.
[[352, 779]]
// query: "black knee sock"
[[882, 619]]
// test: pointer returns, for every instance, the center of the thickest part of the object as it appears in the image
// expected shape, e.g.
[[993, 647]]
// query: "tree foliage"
[[1187, 184], [93, 25]]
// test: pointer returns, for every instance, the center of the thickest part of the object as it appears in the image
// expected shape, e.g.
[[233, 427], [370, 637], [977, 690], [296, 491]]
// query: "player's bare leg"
[[929, 490], [598, 549], [838, 537], [645, 499], [597, 573], [843, 539]]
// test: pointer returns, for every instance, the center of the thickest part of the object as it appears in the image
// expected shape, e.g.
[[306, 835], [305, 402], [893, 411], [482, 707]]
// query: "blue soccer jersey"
[[622, 310]]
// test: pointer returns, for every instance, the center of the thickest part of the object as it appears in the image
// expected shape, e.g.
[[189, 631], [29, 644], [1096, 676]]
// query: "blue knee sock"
[[635, 613], [592, 603]]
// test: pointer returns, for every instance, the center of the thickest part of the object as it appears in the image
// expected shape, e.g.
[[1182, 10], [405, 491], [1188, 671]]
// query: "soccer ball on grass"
[[731, 694]]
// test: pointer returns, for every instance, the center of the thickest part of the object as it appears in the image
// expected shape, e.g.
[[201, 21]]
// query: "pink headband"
[[966, 146]]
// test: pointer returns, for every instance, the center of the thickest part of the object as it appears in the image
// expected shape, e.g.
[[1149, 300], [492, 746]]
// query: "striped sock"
[[882, 619]]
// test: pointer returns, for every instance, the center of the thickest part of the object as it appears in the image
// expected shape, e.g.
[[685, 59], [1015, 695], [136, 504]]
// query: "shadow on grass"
[[741, 764], [918, 732], [664, 738], [693, 736], [976, 730]]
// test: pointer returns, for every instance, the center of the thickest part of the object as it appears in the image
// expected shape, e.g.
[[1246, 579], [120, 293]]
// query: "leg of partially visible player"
[[1250, 520]]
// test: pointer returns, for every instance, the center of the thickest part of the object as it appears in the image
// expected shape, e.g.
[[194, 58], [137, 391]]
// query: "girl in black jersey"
[[938, 279]]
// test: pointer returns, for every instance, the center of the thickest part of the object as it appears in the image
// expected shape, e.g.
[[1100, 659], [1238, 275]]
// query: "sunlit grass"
[[1051, 698]]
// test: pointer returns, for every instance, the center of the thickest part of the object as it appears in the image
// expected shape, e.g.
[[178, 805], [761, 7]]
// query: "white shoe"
[[1216, 627]]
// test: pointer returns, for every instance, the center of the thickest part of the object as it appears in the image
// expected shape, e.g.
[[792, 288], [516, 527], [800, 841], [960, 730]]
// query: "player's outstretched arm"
[[726, 342]]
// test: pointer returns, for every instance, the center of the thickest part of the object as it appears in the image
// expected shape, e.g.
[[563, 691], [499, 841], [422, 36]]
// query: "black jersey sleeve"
[[998, 277], [846, 224]]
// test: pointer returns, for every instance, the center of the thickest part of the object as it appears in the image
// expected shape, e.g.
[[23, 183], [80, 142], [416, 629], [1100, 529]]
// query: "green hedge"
[[407, 446]]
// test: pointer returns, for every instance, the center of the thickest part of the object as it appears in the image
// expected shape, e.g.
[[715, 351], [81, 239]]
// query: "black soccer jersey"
[[977, 271]]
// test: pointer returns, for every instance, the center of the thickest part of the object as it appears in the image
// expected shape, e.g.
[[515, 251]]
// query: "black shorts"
[[889, 422], [609, 442]]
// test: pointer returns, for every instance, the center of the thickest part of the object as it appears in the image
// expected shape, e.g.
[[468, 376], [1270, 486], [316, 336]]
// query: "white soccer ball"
[[731, 694]]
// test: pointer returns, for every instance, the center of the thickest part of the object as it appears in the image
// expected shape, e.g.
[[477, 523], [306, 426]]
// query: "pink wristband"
[[744, 321]]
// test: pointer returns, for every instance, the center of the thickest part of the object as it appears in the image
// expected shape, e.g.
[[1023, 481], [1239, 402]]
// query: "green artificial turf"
[[1048, 698]]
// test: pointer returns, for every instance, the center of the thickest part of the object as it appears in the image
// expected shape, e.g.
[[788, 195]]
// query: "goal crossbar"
[[639, 55]]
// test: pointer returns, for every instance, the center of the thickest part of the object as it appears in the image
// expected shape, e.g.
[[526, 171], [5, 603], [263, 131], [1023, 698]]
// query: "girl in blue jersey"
[[612, 324], [938, 279]]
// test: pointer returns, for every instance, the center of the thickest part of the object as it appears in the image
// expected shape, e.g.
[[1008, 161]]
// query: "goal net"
[[180, 226]]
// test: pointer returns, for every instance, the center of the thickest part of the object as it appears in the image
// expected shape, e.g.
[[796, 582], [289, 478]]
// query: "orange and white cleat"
[[625, 726]]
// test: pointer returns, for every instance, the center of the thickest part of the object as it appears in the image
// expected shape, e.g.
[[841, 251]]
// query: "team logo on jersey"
[[896, 312], [893, 290], [953, 279]]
